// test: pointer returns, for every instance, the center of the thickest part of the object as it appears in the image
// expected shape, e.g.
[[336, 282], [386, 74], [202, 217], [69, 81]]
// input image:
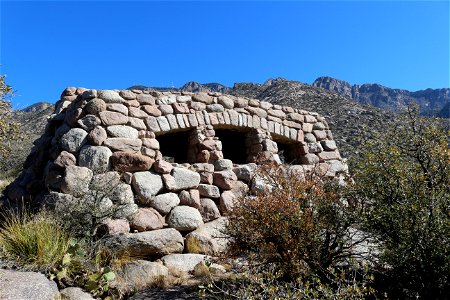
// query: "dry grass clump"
[[33, 241], [202, 271], [41, 242]]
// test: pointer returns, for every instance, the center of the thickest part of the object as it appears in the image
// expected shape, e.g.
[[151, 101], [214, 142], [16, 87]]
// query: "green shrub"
[[33, 241], [403, 178]]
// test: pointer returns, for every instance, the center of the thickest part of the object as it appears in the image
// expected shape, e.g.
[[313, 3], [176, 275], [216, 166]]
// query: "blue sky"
[[47, 46]]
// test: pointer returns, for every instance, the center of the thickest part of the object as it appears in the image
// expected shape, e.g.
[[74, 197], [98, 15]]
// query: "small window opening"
[[233, 145], [287, 151], [175, 146]]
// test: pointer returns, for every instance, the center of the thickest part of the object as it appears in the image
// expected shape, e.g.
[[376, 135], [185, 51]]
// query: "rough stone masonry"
[[168, 166]]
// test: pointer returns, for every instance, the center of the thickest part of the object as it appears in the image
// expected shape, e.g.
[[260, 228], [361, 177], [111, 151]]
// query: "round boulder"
[[110, 96], [209, 238], [76, 180], [95, 158], [95, 106], [183, 262], [208, 210], [182, 179], [149, 243], [75, 293], [140, 274], [122, 131], [147, 185], [165, 202], [131, 162], [26, 285], [146, 219], [184, 218], [97, 136], [73, 140]]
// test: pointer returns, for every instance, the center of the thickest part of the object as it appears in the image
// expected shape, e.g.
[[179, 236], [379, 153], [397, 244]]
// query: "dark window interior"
[[174, 146], [233, 145], [286, 152]]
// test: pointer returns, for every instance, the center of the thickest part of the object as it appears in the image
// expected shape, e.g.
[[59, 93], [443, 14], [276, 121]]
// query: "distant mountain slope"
[[39, 106], [33, 120], [34, 117], [432, 102]]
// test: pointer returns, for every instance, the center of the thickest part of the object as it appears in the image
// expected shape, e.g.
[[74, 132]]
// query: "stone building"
[[168, 166]]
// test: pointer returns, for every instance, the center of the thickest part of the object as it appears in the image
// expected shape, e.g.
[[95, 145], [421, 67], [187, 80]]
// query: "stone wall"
[[163, 160]]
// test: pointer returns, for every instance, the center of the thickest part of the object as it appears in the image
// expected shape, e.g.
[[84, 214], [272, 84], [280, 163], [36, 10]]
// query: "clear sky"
[[47, 46]]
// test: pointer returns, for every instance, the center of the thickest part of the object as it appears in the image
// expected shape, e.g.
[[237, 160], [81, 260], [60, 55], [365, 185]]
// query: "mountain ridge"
[[432, 102]]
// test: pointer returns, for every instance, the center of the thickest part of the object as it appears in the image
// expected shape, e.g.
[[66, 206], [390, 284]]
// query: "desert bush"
[[33, 241], [9, 128], [403, 177], [300, 226], [104, 198]]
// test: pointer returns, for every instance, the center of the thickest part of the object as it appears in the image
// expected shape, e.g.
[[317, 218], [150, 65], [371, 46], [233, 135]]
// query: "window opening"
[[174, 146], [286, 151], [233, 145]]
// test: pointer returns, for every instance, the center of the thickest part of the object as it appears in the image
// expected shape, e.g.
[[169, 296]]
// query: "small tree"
[[403, 177], [9, 129]]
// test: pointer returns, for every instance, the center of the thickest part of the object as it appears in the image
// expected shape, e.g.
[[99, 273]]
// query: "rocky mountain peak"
[[193, 86], [271, 81], [335, 85], [431, 101]]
